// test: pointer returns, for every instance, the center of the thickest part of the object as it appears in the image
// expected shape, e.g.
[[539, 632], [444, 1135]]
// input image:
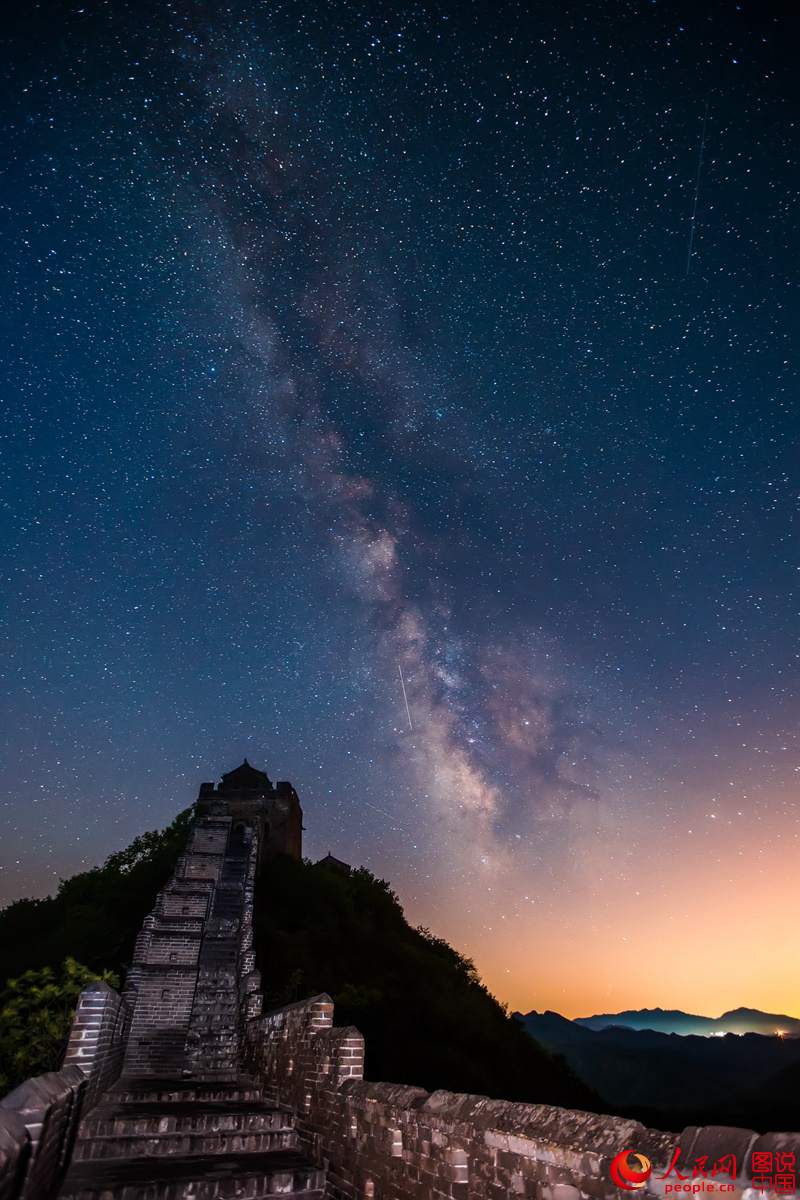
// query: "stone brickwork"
[[97, 1038], [272, 811], [224, 963], [161, 988], [182, 1120], [193, 981], [382, 1141], [295, 1050], [217, 1101], [38, 1123], [14, 1153], [40, 1118]]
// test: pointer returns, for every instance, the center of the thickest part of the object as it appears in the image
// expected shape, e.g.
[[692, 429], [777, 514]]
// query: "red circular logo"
[[628, 1176]]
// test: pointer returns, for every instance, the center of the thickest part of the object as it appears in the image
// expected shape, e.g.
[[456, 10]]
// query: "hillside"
[[94, 916], [671, 1080], [426, 1016]]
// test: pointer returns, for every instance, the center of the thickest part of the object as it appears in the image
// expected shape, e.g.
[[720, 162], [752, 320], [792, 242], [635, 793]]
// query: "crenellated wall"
[[38, 1123], [384, 1141], [39, 1119], [395, 1141], [192, 1010], [97, 1039]]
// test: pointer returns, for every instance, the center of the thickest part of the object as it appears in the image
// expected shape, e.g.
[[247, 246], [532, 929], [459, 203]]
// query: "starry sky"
[[345, 340]]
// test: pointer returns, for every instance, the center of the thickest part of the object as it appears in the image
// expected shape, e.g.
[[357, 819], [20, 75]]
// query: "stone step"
[[216, 1067], [185, 1116], [162, 1060], [146, 1090], [177, 923], [183, 1107], [201, 1177], [205, 1142], [221, 957], [211, 1078]]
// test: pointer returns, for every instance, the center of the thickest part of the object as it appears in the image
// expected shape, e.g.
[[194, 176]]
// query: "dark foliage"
[[671, 1080], [426, 1017], [94, 917], [36, 1014]]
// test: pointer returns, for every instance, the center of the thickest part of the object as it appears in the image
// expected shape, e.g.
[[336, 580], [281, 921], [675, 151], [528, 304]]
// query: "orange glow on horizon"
[[703, 924]]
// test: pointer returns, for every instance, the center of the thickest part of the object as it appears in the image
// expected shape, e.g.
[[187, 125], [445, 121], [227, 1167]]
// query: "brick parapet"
[[97, 1038], [384, 1141], [14, 1153], [250, 1001], [379, 1141], [38, 1123]]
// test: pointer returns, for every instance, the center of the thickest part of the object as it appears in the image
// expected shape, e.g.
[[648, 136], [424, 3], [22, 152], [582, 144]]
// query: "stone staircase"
[[213, 1040], [183, 1140], [183, 1122]]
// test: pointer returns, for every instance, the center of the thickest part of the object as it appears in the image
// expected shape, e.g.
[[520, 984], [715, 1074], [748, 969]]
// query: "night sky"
[[343, 339]]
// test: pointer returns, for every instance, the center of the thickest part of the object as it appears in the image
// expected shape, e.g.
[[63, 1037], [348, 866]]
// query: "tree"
[[36, 1014], [95, 916], [425, 1014]]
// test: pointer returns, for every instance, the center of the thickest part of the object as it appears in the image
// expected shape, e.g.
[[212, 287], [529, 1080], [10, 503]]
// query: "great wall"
[[182, 1089]]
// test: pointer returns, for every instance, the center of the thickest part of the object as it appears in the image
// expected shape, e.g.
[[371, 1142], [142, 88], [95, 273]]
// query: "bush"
[[426, 1016], [94, 917], [36, 1014]]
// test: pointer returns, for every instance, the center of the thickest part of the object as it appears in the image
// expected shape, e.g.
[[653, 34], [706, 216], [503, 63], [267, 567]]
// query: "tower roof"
[[335, 864], [245, 779]]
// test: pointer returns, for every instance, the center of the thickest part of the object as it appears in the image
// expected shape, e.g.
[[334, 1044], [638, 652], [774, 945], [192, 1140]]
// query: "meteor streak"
[[693, 218], [405, 697]]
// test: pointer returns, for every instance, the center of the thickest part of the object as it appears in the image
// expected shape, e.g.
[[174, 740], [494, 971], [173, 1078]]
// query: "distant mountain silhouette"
[[673, 1020], [670, 1080]]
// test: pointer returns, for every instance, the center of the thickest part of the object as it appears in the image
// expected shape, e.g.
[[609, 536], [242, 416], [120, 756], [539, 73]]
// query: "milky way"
[[348, 340]]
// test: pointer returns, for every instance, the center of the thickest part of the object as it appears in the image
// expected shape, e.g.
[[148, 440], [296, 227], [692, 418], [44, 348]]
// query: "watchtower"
[[249, 797]]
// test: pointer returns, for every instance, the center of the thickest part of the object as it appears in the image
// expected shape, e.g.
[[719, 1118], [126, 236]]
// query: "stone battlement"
[[397, 1142], [182, 1088]]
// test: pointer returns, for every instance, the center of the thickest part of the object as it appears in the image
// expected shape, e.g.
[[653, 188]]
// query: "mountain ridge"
[[674, 1020], [673, 1079]]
